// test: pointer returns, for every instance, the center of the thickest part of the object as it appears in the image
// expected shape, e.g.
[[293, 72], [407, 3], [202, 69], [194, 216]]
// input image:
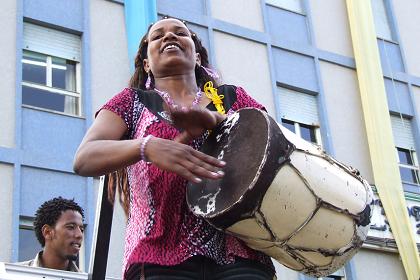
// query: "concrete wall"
[[283, 272], [40, 185], [108, 50], [408, 21], [245, 63], [8, 73], [344, 109], [66, 14], [116, 246], [110, 74], [416, 94], [416, 106], [331, 26], [246, 13], [6, 197], [372, 264]]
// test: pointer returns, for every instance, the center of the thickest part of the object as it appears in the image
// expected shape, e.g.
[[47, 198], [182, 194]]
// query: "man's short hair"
[[50, 211]]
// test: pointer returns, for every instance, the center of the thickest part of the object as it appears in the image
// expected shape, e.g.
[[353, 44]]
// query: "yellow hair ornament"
[[211, 94]]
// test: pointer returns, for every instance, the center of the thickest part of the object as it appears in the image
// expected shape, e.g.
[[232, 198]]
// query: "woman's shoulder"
[[227, 88], [231, 89], [121, 99], [238, 97], [233, 92], [134, 95], [123, 95]]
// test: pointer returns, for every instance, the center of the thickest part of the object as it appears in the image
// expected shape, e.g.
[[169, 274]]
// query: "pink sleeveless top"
[[160, 227]]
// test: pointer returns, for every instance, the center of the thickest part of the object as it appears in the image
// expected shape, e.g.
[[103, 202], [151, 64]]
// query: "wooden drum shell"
[[282, 195]]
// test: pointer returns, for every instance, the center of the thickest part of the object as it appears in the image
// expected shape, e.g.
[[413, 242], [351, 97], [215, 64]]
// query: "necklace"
[[168, 99]]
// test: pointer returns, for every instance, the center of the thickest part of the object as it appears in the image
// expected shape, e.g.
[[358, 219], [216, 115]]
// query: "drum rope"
[[320, 202], [350, 170]]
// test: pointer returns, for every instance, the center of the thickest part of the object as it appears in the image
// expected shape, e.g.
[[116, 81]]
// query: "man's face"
[[67, 235]]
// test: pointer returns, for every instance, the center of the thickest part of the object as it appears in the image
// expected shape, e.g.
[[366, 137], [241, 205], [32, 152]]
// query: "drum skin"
[[283, 195]]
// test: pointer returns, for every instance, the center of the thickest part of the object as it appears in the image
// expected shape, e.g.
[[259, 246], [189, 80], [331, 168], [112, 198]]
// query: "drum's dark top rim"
[[251, 166]]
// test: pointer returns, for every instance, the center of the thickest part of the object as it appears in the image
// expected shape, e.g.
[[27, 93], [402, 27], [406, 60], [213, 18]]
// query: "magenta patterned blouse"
[[160, 227]]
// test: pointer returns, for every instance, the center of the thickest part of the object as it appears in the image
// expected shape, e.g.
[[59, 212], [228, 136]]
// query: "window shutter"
[[299, 107], [51, 41], [403, 133]]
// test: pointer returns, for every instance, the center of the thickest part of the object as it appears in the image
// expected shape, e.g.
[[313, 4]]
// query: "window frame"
[[26, 223], [297, 131], [300, 12], [389, 22], [49, 66], [51, 44], [338, 275], [414, 167], [403, 137]]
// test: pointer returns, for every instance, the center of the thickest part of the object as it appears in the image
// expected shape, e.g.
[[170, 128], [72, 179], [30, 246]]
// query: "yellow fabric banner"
[[379, 132]]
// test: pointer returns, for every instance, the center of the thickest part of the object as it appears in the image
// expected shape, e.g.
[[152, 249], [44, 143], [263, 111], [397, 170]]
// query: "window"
[[406, 154], [51, 70], [380, 17], [338, 275], [299, 114], [307, 132], [291, 5], [332, 277], [28, 244], [409, 168]]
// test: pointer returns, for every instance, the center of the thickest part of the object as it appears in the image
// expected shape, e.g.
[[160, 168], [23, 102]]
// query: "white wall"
[[245, 63], [246, 13], [116, 246], [416, 105], [345, 116], [372, 264], [6, 198], [408, 22], [283, 272], [110, 73], [110, 70], [331, 26], [8, 73]]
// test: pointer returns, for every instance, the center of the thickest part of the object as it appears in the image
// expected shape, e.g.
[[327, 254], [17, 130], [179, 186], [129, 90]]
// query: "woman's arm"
[[102, 151]]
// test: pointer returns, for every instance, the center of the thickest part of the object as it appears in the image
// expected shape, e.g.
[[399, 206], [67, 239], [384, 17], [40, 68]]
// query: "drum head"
[[245, 141]]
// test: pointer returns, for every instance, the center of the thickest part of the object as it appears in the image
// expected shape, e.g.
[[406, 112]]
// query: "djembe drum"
[[283, 195]]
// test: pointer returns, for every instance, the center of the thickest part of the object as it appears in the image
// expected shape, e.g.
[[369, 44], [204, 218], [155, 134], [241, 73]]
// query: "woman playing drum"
[[148, 137]]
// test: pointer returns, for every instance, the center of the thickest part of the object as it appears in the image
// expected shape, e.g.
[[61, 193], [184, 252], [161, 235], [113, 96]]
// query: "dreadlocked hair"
[[50, 211], [118, 181]]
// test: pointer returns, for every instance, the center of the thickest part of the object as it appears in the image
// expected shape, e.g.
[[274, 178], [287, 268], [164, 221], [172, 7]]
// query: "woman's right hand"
[[183, 160], [194, 122]]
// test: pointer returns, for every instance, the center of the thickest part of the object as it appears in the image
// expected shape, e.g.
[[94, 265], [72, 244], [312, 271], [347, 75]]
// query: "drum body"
[[283, 195]]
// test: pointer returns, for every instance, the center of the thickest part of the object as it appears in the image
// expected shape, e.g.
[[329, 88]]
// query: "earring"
[[148, 81], [210, 72]]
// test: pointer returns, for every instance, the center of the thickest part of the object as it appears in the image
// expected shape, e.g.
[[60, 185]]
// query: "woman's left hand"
[[194, 121]]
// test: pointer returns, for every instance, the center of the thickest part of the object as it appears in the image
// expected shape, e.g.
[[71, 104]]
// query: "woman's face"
[[171, 50]]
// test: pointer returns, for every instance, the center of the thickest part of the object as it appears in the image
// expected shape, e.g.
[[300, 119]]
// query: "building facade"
[[302, 59]]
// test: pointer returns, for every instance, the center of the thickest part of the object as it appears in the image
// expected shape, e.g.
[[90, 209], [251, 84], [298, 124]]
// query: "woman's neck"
[[177, 86]]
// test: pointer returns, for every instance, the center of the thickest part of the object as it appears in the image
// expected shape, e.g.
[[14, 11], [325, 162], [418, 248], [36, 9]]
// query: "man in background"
[[59, 228]]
